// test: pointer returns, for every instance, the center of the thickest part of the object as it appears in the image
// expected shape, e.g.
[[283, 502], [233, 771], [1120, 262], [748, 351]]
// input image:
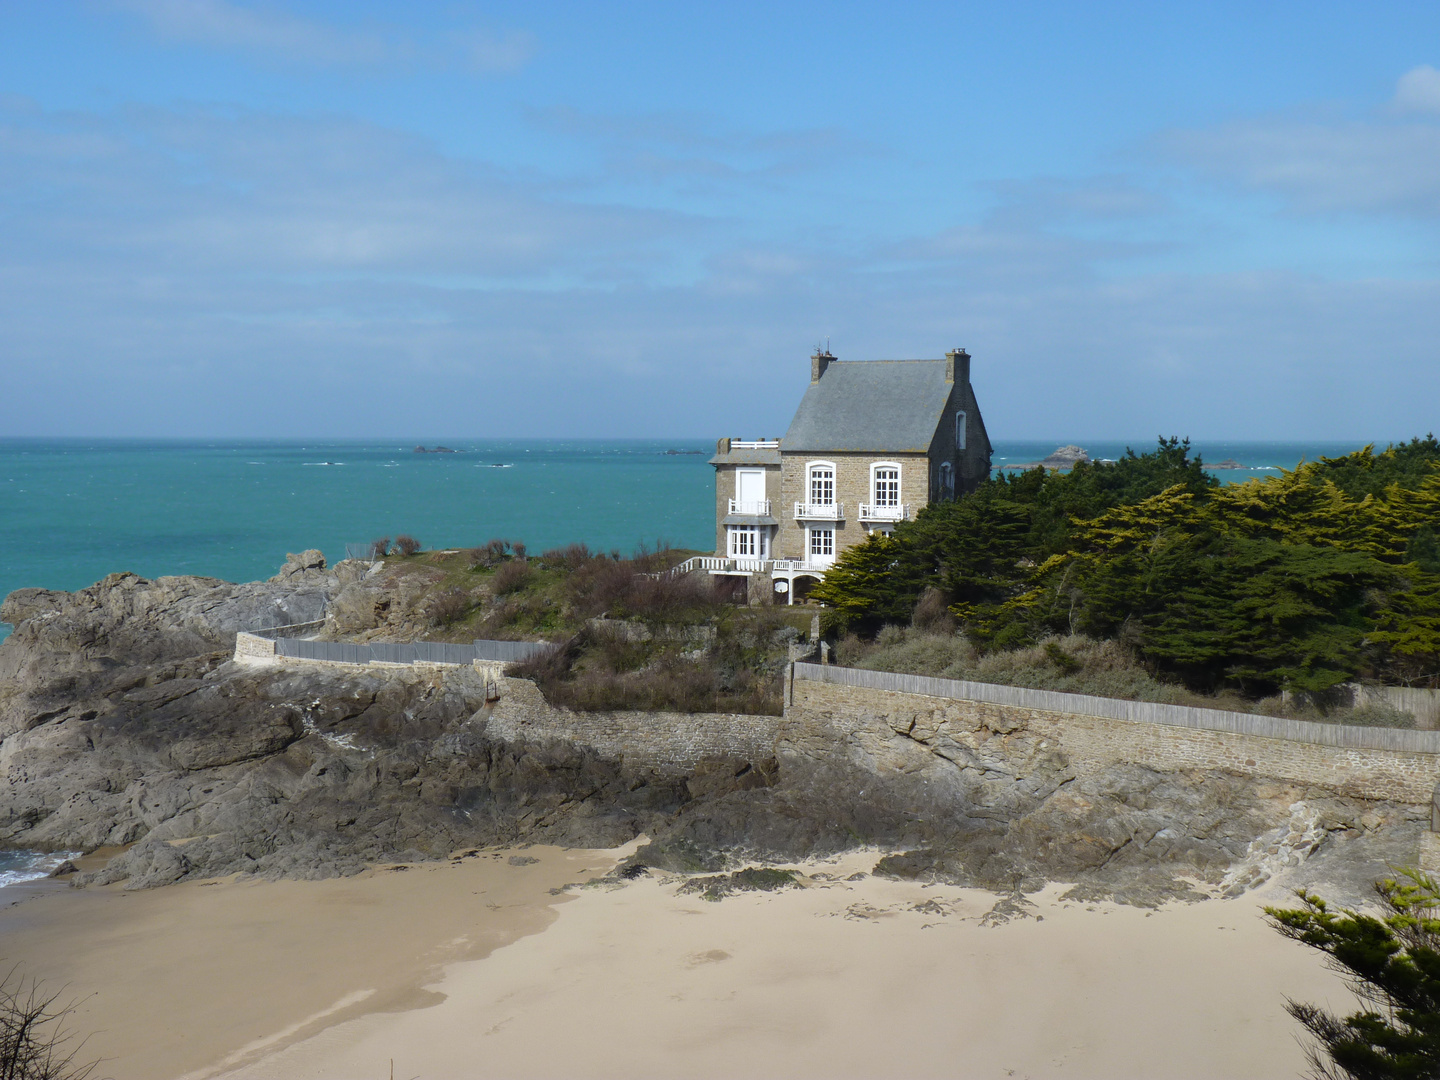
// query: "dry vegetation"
[[1075, 665], [633, 637]]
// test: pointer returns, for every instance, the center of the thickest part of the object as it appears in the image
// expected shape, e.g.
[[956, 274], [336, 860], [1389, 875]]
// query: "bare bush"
[[932, 614], [512, 577], [667, 682], [518, 549], [380, 547], [34, 1041], [449, 605], [571, 557], [621, 590], [491, 553], [406, 545]]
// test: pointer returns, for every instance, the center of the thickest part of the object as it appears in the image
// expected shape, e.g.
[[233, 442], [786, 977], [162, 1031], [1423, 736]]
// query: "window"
[[748, 541], [822, 484], [947, 480], [886, 485], [960, 431], [822, 542]]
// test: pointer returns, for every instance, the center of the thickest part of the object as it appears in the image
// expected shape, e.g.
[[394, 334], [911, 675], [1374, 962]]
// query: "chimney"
[[722, 447], [957, 367], [819, 361]]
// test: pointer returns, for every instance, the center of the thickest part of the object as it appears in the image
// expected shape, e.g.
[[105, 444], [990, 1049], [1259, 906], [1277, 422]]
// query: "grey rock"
[[123, 721]]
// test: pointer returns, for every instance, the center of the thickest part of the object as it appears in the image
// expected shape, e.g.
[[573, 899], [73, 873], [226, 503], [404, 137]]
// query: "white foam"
[[39, 867]]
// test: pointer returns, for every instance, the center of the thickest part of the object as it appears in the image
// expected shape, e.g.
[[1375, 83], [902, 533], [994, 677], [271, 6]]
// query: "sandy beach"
[[474, 968]]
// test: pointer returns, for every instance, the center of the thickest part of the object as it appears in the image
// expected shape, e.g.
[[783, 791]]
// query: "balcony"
[[755, 507], [819, 511], [883, 512], [754, 444]]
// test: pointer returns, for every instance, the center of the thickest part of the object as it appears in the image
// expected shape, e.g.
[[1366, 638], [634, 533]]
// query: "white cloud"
[[1419, 90], [245, 192], [276, 34], [1365, 166], [490, 52], [219, 24], [241, 273]]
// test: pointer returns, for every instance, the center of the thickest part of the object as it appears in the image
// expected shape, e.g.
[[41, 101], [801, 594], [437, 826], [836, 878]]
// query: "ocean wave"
[[32, 865]]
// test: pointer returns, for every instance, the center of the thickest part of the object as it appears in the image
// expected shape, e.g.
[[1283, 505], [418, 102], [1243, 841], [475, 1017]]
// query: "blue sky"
[[450, 219]]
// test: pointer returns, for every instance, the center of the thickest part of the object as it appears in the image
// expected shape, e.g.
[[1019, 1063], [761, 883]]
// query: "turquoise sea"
[[72, 510]]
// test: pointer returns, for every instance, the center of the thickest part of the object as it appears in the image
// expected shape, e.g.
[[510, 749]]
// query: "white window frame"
[[946, 480], [739, 486], [811, 468], [960, 430], [820, 537], [755, 538], [875, 499]]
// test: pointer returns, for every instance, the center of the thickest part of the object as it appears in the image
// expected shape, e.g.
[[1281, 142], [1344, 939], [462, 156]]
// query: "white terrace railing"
[[754, 444], [741, 564], [819, 511], [757, 507], [884, 512]]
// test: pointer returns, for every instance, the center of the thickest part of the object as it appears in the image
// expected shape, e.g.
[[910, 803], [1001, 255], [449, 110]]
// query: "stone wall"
[[660, 740], [818, 712], [253, 646]]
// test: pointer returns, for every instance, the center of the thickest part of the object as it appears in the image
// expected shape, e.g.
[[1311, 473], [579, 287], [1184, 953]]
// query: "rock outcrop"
[[125, 722]]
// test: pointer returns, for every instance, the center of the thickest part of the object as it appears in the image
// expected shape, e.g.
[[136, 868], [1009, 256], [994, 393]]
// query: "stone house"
[[871, 443]]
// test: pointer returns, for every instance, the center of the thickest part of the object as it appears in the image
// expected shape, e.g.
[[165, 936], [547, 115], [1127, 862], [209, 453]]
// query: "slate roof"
[[884, 406]]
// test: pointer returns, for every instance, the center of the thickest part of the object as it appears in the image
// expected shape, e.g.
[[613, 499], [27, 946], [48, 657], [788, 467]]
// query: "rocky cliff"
[[125, 722]]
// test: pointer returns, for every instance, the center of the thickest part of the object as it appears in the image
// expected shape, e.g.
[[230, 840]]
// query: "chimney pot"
[[957, 366], [819, 361]]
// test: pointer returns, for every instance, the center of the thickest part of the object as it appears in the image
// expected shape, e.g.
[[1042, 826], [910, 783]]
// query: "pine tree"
[[1393, 966]]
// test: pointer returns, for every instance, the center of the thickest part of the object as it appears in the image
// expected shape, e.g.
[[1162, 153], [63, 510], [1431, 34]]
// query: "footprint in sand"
[[714, 956]]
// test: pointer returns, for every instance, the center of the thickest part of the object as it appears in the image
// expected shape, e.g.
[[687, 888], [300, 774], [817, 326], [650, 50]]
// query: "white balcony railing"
[[791, 565], [883, 512], [819, 511], [757, 507], [754, 444], [750, 564]]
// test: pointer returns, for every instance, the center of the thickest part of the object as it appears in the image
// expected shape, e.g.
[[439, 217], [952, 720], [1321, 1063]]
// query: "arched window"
[[960, 430], [885, 484], [947, 480], [820, 483]]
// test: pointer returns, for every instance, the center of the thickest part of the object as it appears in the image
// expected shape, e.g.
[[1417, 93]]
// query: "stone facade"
[[725, 486], [853, 485]]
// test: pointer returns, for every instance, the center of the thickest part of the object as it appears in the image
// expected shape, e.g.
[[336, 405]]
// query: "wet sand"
[[196, 977], [476, 970]]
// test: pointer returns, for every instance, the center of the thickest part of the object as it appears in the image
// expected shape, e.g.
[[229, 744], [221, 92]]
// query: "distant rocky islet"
[[1067, 457]]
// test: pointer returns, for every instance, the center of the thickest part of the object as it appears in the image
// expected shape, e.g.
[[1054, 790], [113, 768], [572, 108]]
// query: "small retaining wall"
[[661, 740], [485, 655], [253, 646], [1370, 763]]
